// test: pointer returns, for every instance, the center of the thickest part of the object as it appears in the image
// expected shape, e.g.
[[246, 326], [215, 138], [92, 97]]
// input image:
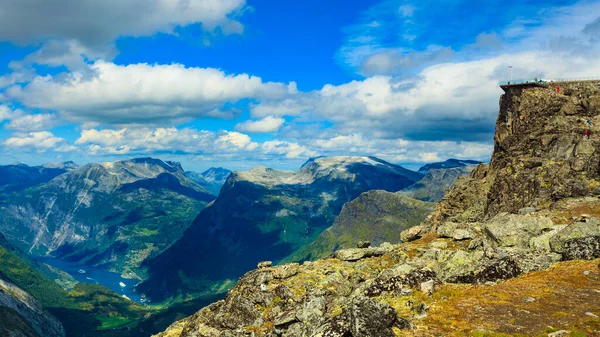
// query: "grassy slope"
[[376, 216]]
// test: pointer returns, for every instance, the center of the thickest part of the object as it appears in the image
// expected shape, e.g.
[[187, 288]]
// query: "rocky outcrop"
[[541, 154]]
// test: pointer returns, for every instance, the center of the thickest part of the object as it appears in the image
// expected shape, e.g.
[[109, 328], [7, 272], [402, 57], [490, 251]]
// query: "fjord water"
[[96, 276]]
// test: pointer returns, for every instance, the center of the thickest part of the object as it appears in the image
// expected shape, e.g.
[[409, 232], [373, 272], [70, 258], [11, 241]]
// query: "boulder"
[[285, 271], [568, 241], [363, 244], [511, 230], [412, 233], [264, 264]]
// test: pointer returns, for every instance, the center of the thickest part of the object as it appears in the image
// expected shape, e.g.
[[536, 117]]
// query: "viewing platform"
[[524, 84], [543, 83]]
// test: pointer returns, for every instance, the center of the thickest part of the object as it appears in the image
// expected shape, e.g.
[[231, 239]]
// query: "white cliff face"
[[29, 309]]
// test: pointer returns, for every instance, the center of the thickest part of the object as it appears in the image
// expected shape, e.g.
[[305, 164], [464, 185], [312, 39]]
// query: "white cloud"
[[143, 93], [36, 122], [164, 140], [6, 113], [265, 125], [407, 10], [287, 149], [41, 141], [98, 23]]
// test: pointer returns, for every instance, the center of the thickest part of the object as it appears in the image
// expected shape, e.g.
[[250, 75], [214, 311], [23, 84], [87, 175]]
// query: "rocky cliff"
[[512, 249]]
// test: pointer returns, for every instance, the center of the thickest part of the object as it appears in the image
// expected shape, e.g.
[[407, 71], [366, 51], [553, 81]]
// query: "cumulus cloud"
[[96, 24], [35, 122], [6, 113], [41, 141], [287, 149], [164, 140], [265, 125], [143, 93]]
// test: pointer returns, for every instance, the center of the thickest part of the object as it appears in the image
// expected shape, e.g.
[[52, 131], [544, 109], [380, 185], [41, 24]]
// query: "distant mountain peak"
[[450, 163], [66, 165]]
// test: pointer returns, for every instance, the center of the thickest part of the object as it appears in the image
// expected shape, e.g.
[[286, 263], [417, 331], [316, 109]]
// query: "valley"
[[98, 215]]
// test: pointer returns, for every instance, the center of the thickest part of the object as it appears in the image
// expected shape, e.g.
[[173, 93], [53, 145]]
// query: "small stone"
[[559, 333], [428, 287], [591, 315], [406, 292], [439, 244], [285, 271], [529, 299], [363, 244], [586, 273], [490, 283], [265, 264], [285, 319], [412, 233], [264, 287], [527, 210]]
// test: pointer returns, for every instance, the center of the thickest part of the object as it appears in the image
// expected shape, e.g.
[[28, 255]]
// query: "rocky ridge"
[[504, 253]]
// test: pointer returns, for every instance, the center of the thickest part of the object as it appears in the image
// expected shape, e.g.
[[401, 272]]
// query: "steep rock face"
[[541, 154], [265, 214], [212, 179], [109, 214], [22, 315], [375, 216], [435, 183]]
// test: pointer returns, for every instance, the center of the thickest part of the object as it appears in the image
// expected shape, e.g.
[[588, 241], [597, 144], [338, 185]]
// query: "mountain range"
[[265, 214], [212, 179], [113, 215]]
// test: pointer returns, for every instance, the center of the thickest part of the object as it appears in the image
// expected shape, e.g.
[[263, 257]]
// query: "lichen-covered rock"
[[511, 230], [571, 233]]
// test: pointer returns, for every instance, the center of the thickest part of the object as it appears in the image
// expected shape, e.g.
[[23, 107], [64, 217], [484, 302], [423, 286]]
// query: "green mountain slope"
[[375, 216], [113, 215]]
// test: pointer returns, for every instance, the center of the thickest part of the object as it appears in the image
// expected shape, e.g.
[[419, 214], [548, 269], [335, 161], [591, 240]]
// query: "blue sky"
[[240, 83]]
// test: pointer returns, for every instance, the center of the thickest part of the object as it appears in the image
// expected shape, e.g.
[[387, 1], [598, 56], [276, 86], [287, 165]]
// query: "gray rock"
[[579, 240], [511, 230], [559, 333], [285, 319], [264, 264], [363, 244], [285, 271], [439, 244], [428, 287], [591, 315], [527, 210], [412, 233]]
